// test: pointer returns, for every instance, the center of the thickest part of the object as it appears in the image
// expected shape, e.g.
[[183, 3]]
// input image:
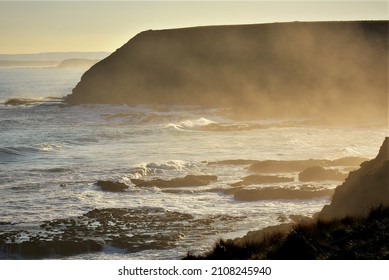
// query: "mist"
[[334, 71]]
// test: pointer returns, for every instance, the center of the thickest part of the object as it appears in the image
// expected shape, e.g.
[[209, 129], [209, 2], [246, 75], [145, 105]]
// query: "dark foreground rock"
[[131, 230], [41, 248], [187, 181], [112, 186], [364, 189], [280, 65]]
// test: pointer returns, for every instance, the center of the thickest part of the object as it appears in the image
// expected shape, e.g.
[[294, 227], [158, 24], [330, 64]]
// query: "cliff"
[[363, 190], [322, 69]]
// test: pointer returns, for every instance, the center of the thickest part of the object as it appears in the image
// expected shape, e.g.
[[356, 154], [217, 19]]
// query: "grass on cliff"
[[365, 238]]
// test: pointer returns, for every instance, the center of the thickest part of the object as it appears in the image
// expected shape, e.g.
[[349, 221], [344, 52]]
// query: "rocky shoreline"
[[354, 226]]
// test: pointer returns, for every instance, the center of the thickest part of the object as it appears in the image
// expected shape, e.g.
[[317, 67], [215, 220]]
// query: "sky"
[[63, 26]]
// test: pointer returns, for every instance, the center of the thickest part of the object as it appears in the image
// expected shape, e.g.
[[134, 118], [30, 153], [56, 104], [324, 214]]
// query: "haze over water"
[[52, 155]]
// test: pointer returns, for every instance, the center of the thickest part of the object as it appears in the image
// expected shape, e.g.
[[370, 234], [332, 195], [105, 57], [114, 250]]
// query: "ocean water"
[[53, 154]]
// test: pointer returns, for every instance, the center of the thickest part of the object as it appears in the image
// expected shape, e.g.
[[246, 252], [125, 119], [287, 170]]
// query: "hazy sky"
[[50, 26]]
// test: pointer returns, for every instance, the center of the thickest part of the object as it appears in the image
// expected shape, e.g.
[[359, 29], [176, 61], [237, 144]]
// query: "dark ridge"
[[280, 70]]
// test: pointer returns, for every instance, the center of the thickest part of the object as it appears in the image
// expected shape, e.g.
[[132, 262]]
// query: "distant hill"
[[54, 59], [28, 63], [77, 63], [53, 56], [300, 69]]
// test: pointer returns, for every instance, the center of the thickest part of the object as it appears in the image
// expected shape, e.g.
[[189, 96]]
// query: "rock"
[[233, 162], [270, 193], [283, 67], [261, 179], [131, 230], [317, 173], [270, 166], [278, 166], [41, 248], [364, 189], [111, 186], [187, 181]]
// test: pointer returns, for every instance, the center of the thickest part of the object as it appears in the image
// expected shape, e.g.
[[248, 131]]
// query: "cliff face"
[[363, 190], [265, 70]]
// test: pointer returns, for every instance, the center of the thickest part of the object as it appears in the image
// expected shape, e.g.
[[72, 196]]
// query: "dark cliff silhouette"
[[364, 189], [321, 69]]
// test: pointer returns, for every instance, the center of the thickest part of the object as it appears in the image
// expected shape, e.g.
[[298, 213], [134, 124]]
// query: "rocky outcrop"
[[318, 173], [130, 230], [261, 179], [364, 189], [187, 181], [280, 166], [320, 69], [271, 193], [111, 186]]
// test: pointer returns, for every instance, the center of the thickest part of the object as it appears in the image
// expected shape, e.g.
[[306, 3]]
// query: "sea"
[[52, 156]]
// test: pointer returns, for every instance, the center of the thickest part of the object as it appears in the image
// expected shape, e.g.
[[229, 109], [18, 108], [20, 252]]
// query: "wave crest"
[[20, 101]]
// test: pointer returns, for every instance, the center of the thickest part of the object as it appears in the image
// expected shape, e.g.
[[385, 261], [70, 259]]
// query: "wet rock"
[[261, 179], [112, 186], [364, 189], [233, 162], [270, 193], [269, 166], [187, 181], [42, 248], [279, 166], [129, 229], [317, 173]]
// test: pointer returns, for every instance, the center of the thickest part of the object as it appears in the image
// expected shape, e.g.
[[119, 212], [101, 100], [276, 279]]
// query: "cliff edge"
[[299, 69], [363, 190]]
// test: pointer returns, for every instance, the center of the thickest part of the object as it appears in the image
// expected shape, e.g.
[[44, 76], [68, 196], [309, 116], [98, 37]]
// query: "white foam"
[[191, 123]]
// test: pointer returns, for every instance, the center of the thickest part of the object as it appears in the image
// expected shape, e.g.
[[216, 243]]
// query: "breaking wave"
[[7, 152], [20, 101], [159, 168]]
